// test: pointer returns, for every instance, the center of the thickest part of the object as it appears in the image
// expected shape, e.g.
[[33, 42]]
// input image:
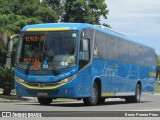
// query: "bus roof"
[[76, 26]]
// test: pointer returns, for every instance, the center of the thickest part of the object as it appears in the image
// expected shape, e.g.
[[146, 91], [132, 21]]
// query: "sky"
[[137, 19]]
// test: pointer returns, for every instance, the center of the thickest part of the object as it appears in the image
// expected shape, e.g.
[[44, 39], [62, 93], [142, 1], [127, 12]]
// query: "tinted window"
[[101, 44], [112, 48], [133, 53], [123, 51]]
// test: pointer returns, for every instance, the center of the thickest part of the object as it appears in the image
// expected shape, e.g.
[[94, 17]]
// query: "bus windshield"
[[47, 50]]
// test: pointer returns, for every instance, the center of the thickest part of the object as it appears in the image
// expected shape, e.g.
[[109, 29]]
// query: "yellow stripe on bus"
[[41, 88], [107, 94], [152, 74], [48, 29]]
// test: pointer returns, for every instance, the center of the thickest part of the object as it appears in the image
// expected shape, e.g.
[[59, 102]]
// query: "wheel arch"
[[97, 80]]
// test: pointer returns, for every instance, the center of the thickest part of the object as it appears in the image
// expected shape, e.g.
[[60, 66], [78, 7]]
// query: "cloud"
[[138, 19]]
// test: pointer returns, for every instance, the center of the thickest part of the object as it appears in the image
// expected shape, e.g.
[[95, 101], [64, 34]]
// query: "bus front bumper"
[[60, 90]]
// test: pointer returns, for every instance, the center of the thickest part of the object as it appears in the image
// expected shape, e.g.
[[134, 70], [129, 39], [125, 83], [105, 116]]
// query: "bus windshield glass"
[[47, 50]]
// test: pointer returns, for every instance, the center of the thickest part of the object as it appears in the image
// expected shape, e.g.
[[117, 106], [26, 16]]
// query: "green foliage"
[[157, 90], [16, 14], [157, 60], [57, 5], [6, 79], [3, 53], [29, 8], [14, 23], [76, 11], [85, 11]]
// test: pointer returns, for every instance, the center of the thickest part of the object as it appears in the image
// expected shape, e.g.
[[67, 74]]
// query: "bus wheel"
[[101, 100], [94, 97], [44, 101], [137, 97]]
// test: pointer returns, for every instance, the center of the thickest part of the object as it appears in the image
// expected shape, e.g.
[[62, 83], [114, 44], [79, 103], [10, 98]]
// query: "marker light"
[[68, 79], [18, 79]]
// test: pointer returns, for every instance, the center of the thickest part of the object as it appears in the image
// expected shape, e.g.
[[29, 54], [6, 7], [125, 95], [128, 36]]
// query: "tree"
[[6, 79], [98, 8], [17, 13], [14, 23], [3, 52], [76, 11], [37, 9], [157, 65], [57, 5], [85, 11], [157, 60]]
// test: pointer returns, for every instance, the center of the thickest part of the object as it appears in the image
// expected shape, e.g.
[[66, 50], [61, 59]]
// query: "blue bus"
[[82, 61]]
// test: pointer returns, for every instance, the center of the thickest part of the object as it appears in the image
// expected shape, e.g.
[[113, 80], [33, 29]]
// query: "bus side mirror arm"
[[10, 48]]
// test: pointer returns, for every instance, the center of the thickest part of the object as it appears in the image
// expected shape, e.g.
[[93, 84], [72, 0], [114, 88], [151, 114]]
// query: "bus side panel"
[[85, 82], [118, 77], [149, 80], [107, 71]]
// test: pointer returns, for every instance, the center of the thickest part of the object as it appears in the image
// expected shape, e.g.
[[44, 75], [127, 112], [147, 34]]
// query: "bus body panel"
[[68, 90], [124, 78], [113, 82], [117, 78]]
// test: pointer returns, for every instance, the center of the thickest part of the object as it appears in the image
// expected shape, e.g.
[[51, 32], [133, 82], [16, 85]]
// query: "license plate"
[[42, 94]]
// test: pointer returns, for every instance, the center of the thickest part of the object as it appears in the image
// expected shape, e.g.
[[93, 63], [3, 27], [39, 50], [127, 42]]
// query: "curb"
[[14, 101], [10, 100], [14, 98], [28, 100], [156, 93]]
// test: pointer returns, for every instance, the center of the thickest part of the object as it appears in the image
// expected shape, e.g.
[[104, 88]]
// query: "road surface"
[[112, 107]]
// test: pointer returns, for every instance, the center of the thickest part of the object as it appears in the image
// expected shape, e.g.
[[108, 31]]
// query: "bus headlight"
[[19, 79], [68, 79]]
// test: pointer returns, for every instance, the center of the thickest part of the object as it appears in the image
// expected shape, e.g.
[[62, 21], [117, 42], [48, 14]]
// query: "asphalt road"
[[149, 103]]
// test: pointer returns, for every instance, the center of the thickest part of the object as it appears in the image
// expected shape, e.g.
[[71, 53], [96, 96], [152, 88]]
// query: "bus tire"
[[101, 100], [44, 101], [136, 97], [93, 100]]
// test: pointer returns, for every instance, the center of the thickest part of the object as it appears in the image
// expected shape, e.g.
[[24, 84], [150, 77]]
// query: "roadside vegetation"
[[157, 87], [6, 79]]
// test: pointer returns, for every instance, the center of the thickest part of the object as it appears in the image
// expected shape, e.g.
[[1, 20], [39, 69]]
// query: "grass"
[[1, 90], [9, 96], [157, 87]]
